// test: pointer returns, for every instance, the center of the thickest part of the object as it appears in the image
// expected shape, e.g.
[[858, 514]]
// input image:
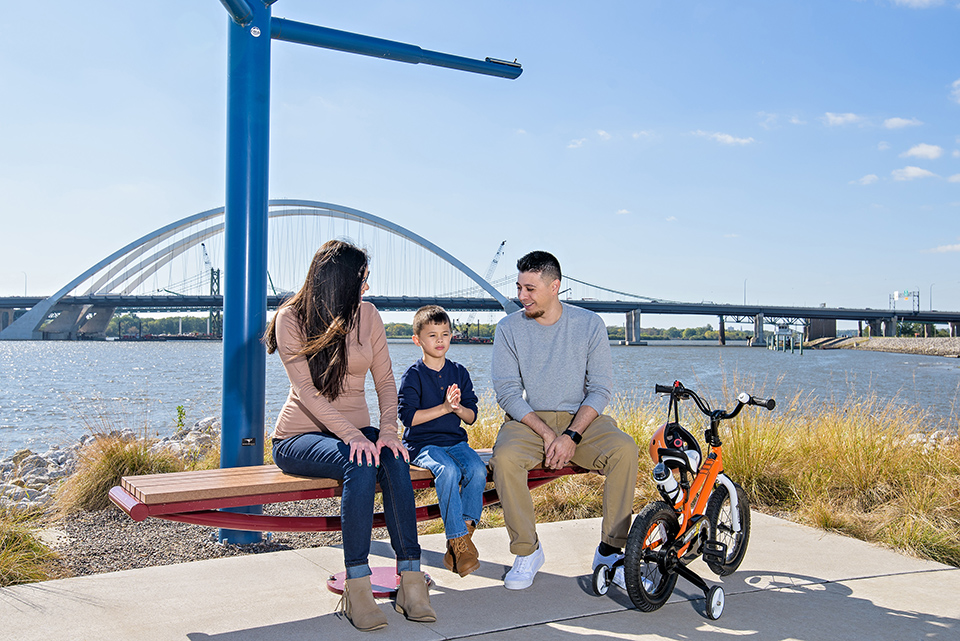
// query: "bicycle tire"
[[648, 585], [721, 528]]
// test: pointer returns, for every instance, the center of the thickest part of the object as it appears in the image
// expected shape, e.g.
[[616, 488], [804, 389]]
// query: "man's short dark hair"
[[430, 314], [541, 262]]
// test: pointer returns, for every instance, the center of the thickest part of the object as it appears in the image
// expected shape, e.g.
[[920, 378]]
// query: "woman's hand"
[[364, 451], [390, 440]]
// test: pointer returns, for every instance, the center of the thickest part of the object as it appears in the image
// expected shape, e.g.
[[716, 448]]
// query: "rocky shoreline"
[[109, 540], [940, 346]]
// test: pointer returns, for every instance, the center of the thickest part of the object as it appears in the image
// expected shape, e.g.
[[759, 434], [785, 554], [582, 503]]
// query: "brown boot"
[[359, 607], [450, 561], [466, 554], [413, 598]]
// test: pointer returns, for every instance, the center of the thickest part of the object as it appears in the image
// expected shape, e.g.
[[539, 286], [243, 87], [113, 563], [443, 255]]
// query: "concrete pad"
[[795, 583]]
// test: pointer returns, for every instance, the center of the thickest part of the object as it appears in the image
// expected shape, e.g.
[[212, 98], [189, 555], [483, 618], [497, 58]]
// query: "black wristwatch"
[[576, 437]]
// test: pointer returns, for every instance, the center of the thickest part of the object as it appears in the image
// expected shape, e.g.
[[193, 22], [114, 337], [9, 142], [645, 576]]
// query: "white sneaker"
[[609, 560], [520, 576]]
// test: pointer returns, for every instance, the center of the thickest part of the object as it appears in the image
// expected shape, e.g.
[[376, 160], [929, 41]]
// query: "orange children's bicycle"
[[703, 512]]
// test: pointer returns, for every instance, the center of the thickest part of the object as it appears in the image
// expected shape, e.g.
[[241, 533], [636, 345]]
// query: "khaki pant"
[[604, 447]]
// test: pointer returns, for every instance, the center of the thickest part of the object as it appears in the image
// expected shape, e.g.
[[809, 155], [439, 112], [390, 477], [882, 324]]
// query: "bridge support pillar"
[[821, 328], [633, 326], [890, 326], [875, 328], [6, 317], [954, 329], [96, 325], [723, 332], [929, 331], [758, 340]]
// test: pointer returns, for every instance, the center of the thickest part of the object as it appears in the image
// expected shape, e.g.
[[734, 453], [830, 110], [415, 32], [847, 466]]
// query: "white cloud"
[[911, 173], [725, 139], [576, 143], [883, 145], [954, 178], [956, 153], [869, 179], [834, 120], [670, 219], [621, 212], [900, 123], [603, 135], [923, 150], [943, 249], [521, 131], [767, 121], [918, 4], [955, 93], [794, 120], [640, 134]]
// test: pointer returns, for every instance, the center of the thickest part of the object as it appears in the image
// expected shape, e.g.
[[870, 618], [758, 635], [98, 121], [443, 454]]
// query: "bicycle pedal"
[[714, 551]]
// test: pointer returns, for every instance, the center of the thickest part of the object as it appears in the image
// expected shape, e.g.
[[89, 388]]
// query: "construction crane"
[[463, 331], [215, 318]]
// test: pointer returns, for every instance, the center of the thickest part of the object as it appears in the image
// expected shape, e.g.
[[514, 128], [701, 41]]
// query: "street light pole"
[[930, 297]]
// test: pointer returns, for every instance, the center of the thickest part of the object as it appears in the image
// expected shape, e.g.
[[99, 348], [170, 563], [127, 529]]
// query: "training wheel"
[[715, 600], [601, 579]]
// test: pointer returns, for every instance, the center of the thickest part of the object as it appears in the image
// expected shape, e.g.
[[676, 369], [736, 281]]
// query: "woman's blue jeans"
[[460, 477], [325, 456]]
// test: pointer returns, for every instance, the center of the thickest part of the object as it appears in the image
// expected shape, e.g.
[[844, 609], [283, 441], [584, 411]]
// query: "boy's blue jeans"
[[460, 479], [325, 456]]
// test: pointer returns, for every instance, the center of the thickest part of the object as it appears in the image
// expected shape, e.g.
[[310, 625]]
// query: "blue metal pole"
[[245, 248]]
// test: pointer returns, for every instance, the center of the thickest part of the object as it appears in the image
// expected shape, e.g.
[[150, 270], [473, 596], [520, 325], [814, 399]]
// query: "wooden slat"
[[201, 485]]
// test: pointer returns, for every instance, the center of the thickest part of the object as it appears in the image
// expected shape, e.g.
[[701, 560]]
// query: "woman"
[[328, 338]]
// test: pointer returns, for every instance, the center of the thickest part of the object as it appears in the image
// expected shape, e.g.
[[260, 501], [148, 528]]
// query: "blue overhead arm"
[[308, 34]]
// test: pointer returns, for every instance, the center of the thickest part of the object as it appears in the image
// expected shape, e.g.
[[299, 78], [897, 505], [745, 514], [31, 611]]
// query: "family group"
[[552, 374]]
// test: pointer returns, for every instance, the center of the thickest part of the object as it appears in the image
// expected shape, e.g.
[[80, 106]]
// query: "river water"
[[53, 392]]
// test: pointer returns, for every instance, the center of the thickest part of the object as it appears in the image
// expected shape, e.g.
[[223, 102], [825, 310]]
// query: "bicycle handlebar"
[[678, 391]]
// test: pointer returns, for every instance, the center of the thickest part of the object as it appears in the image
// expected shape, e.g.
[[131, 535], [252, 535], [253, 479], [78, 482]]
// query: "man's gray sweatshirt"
[[557, 367]]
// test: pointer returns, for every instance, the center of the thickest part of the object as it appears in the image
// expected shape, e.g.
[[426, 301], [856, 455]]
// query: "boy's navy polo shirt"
[[422, 388]]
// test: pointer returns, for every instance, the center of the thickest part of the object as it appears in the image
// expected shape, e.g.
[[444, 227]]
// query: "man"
[[552, 374]]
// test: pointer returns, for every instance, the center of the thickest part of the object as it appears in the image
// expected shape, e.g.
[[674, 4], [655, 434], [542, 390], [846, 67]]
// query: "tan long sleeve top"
[[306, 410]]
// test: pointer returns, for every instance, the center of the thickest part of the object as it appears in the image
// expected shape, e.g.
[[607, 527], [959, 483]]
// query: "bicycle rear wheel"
[[720, 515], [649, 584]]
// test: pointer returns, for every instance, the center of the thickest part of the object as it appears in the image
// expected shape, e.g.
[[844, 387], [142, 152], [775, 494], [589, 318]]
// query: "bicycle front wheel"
[[720, 515], [649, 585]]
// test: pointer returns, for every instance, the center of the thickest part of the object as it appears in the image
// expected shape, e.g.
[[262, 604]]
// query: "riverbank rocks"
[[939, 346], [29, 480]]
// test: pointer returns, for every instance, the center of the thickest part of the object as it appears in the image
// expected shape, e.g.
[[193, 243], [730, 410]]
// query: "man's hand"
[[559, 452]]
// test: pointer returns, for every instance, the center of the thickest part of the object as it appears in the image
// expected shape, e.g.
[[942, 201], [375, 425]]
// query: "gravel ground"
[[109, 540]]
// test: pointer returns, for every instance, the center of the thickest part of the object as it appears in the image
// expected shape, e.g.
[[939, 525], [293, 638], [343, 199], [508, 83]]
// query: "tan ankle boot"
[[358, 605], [450, 561], [413, 598], [465, 553]]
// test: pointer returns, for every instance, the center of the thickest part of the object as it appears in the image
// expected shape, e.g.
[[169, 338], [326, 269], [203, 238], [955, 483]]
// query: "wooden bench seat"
[[199, 496]]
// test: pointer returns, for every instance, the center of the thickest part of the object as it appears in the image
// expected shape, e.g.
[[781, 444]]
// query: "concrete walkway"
[[795, 583]]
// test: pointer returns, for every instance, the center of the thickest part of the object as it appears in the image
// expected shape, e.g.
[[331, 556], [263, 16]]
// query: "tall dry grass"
[[23, 557], [878, 471], [102, 462]]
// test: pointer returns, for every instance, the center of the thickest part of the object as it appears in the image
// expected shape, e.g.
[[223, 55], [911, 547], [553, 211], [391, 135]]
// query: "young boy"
[[436, 394]]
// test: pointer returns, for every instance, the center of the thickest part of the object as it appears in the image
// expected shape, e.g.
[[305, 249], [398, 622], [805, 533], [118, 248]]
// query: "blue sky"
[[786, 152]]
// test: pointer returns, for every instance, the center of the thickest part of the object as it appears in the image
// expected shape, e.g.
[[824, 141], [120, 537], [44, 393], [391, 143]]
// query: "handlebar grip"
[[663, 389], [768, 403]]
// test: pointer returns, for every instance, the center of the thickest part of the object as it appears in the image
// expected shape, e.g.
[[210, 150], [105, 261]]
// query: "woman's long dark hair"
[[327, 307]]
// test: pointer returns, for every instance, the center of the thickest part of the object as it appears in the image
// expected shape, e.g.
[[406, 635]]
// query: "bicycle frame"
[[692, 502]]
